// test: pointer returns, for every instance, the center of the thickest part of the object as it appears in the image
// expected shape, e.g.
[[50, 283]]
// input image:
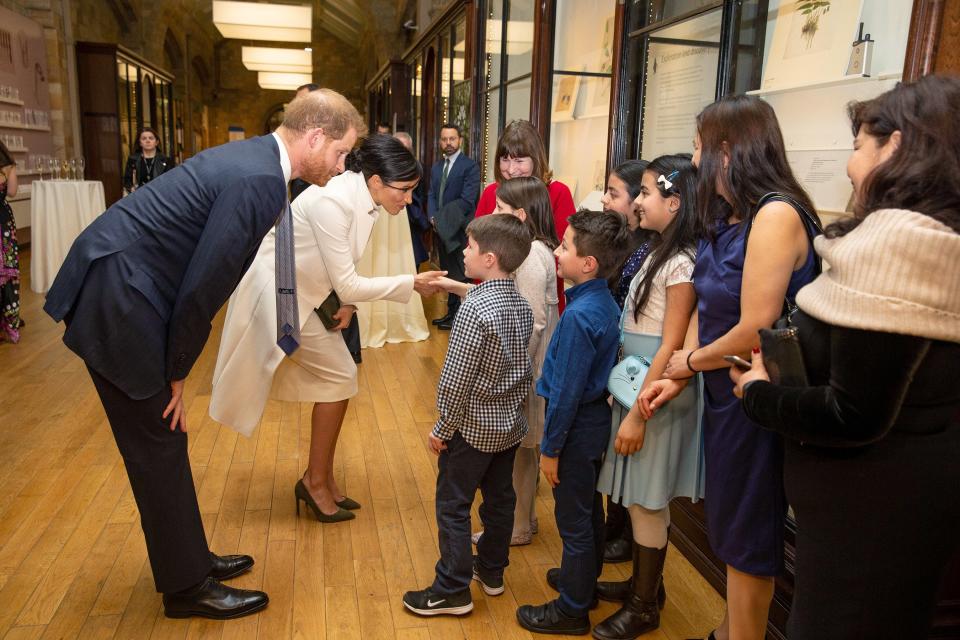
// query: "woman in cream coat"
[[332, 226]]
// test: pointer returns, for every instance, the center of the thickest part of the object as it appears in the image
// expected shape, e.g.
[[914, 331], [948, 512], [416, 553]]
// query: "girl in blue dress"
[[741, 286], [650, 462]]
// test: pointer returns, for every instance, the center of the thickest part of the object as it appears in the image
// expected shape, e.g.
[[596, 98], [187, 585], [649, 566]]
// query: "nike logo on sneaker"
[[431, 603]]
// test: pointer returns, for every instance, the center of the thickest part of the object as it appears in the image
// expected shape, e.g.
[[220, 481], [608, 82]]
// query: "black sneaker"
[[428, 603], [492, 585]]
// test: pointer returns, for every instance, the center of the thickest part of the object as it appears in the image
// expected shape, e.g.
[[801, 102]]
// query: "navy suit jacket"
[[463, 183], [141, 285]]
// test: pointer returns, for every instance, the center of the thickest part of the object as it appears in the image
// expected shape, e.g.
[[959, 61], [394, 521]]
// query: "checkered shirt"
[[487, 371]]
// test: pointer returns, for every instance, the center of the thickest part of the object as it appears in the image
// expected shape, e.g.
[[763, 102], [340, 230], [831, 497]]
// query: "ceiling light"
[[270, 59], [282, 81], [261, 21]]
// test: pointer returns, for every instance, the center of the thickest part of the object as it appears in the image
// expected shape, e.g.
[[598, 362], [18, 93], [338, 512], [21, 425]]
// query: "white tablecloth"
[[390, 253], [59, 211]]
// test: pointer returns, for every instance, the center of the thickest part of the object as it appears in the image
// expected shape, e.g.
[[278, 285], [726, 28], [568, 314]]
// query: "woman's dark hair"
[[531, 195], [745, 129], [136, 143], [385, 156], [682, 233], [5, 158], [520, 139], [923, 174]]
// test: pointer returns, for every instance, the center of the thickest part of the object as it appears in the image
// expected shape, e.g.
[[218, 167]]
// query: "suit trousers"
[[159, 472], [351, 336], [578, 507], [463, 470], [452, 263]]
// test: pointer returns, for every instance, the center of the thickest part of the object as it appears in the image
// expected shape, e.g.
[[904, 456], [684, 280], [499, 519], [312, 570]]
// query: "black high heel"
[[301, 493]]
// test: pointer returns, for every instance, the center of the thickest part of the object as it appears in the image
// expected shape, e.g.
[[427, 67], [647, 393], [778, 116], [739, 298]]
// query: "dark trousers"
[[452, 263], [463, 470], [578, 507], [159, 472], [351, 336]]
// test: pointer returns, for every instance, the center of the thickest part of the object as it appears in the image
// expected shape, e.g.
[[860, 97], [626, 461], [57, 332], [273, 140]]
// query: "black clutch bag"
[[782, 355], [327, 309]]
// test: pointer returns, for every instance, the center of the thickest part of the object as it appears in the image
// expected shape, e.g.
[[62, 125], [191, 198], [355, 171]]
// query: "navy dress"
[[744, 502]]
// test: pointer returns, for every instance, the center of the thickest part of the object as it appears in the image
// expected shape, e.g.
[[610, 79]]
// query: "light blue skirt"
[[670, 464]]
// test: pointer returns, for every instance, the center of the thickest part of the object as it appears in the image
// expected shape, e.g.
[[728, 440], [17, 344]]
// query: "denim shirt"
[[581, 354]]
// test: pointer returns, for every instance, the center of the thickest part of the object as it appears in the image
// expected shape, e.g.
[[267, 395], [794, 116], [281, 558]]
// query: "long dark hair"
[[5, 158], [745, 128], [136, 143], [681, 234], [531, 195], [385, 156], [922, 174]]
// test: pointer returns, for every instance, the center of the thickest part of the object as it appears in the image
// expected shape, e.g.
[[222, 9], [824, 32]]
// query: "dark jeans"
[[159, 472], [452, 263], [578, 507], [463, 470]]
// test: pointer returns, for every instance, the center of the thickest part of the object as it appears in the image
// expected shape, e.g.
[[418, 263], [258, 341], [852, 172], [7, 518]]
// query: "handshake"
[[431, 282]]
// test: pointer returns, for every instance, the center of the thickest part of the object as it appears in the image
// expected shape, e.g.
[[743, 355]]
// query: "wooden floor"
[[72, 556]]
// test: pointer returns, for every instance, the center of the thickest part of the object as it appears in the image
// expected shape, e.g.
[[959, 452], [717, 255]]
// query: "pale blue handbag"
[[627, 376]]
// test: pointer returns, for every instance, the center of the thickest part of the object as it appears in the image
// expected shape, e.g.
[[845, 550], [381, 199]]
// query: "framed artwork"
[[812, 40], [565, 98], [460, 110], [606, 47], [598, 98]]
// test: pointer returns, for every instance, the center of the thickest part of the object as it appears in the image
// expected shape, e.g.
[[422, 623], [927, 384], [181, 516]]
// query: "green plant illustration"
[[812, 10]]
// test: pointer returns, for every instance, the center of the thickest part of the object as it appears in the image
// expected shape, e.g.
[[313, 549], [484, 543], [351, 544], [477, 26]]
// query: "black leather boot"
[[640, 614], [619, 591]]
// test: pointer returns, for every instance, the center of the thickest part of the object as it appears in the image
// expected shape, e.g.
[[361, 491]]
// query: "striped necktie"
[[288, 318]]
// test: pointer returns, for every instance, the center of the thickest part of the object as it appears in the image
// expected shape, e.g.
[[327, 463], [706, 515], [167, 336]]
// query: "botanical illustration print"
[[812, 29]]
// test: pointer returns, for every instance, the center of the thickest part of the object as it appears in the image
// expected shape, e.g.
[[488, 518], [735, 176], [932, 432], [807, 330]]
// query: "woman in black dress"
[[146, 162], [872, 446], [10, 321]]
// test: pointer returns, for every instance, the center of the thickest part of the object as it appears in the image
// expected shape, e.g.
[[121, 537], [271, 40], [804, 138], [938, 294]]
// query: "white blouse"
[[676, 270]]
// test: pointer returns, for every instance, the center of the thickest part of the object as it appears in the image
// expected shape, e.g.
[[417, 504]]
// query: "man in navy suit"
[[454, 189], [138, 292]]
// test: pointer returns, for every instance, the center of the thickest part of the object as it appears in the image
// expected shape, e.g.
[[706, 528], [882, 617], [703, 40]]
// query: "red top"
[[563, 208], [560, 199]]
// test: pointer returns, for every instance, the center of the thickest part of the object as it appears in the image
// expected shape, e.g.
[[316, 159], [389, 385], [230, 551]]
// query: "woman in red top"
[[520, 153]]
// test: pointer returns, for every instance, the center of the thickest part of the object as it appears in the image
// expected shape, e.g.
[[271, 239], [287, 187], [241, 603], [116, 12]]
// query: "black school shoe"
[[547, 618], [210, 599], [428, 603], [553, 580], [226, 567]]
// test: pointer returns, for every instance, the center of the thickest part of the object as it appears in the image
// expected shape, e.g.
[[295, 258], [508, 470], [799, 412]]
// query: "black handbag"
[[782, 354]]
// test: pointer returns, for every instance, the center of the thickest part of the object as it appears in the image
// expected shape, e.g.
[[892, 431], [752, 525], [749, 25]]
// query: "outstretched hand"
[[451, 286], [425, 283]]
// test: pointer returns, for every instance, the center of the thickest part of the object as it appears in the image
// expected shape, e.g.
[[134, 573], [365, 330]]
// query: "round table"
[[59, 211]]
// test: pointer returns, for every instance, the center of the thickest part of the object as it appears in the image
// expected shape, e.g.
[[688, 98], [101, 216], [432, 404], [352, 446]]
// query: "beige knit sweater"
[[898, 272]]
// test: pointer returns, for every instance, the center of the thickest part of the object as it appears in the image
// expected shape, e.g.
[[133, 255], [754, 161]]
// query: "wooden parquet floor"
[[72, 557]]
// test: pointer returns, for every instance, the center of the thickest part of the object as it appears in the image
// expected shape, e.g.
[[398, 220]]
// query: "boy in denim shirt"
[[581, 354], [485, 379]]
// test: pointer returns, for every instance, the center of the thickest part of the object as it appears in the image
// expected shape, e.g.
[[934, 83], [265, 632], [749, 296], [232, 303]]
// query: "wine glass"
[[54, 167], [81, 165], [38, 165], [73, 169]]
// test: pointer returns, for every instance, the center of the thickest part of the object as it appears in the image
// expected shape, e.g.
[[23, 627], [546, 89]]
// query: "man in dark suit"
[[138, 291], [454, 180]]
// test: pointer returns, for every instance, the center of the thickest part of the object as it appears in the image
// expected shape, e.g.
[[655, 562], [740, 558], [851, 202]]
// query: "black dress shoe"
[[441, 319], [446, 325], [226, 567], [210, 599], [553, 580], [618, 550], [547, 618]]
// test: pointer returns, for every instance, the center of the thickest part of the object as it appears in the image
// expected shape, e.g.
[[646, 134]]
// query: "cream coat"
[[332, 226]]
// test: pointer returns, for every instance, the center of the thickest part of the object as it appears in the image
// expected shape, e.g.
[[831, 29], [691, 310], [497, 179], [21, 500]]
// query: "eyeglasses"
[[403, 190]]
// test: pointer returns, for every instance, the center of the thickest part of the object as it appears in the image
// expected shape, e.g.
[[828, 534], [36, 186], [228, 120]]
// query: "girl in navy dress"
[[741, 287]]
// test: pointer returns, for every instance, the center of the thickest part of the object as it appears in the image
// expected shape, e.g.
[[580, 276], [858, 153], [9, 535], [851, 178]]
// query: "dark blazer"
[[419, 222], [141, 285], [161, 164], [463, 183]]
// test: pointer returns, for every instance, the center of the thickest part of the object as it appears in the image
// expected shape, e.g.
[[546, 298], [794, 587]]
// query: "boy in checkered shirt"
[[484, 382]]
